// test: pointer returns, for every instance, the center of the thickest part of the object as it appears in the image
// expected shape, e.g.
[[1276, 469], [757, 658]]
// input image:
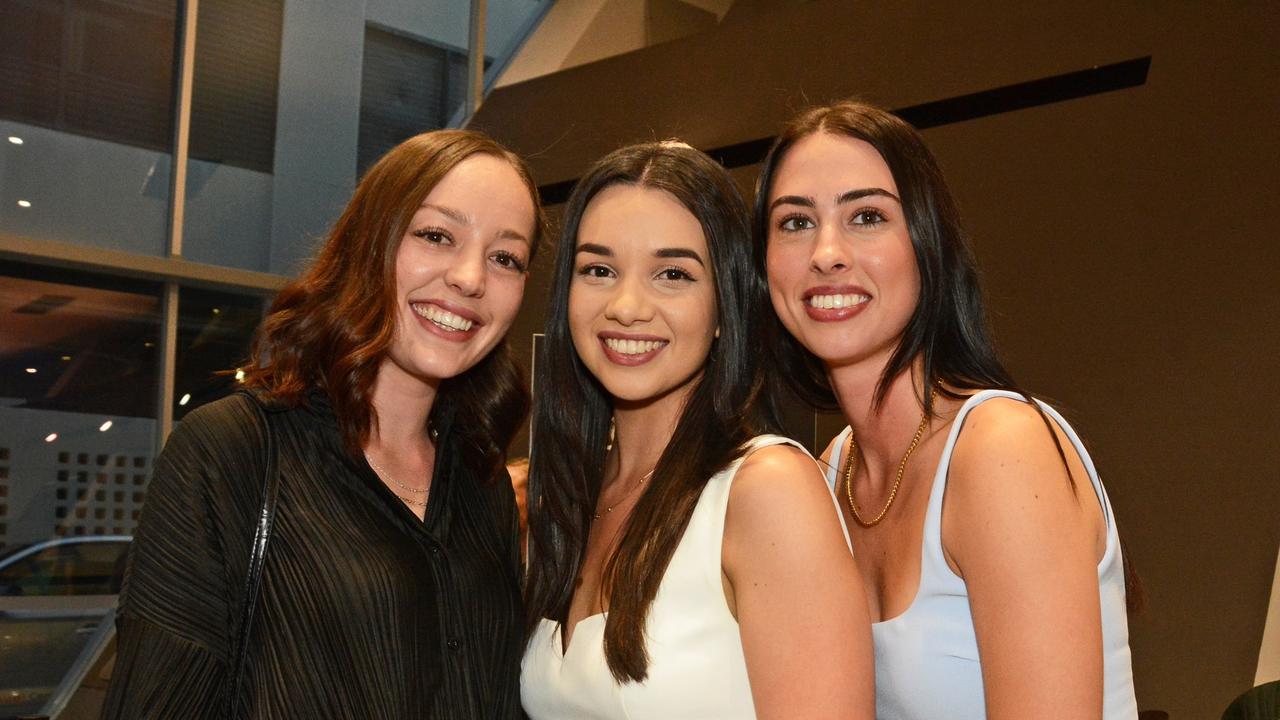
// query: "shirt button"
[[455, 644]]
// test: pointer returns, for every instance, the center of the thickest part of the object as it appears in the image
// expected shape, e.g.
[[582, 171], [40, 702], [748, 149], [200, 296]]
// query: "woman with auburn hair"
[[989, 553], [383, 395], [681, 564]]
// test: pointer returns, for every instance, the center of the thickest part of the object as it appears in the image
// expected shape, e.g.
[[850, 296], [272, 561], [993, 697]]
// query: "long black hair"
[[572, 411]]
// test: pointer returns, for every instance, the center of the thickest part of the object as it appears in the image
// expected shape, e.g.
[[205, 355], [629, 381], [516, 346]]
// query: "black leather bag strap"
[[257, 556]]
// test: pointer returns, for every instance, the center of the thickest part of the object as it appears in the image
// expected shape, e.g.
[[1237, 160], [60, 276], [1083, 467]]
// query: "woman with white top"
[[681, 563], [986, 544]]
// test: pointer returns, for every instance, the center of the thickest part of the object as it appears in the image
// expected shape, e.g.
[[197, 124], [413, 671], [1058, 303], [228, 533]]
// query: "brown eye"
[[674, 274], [795, 223], [868, 216], [433, 236], [509, 261], [595, 271]]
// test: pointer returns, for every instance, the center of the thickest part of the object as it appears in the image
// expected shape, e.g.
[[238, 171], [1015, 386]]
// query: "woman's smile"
[[833, 304], [445, 320], [625, 349]]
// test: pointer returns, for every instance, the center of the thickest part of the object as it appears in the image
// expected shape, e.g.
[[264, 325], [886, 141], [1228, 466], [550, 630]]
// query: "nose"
[[629, 304], [830, 251], [466, 274]]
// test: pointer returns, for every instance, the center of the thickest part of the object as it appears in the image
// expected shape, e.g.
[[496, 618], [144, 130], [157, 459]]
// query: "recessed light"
[[66, 358], [186, 398], [51, 437], [24, 203], [217, 311], [15, 139], [148, 344], [31, 371], [104, 426]]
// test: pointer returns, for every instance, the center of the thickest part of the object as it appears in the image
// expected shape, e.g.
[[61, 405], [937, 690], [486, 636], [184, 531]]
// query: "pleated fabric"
[[365, 611]]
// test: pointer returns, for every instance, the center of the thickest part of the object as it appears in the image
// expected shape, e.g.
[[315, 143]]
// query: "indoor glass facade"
[[165, 167]]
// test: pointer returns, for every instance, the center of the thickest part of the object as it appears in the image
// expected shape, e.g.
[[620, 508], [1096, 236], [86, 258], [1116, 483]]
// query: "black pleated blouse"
[[365, 611]]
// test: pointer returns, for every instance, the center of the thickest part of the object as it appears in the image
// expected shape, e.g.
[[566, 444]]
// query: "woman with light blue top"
[[986, 542]]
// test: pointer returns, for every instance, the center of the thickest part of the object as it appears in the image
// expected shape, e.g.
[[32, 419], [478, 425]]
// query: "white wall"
[[33, 469]]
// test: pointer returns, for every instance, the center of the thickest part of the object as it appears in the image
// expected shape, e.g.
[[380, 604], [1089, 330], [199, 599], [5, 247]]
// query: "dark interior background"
[[1127, 239]]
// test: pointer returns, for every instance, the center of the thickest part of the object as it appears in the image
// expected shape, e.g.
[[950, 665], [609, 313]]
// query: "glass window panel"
[[214, 331], [86, 120], [234, 96], [78, 379], [408, 85], [78, 386]]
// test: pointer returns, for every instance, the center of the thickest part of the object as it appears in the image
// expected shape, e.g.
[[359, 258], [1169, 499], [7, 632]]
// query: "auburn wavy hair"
[[331, 328]]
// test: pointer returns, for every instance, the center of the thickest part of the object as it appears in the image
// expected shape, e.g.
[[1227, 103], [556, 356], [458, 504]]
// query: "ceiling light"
[[240, 376], [66, 358], [104, 426], [51, 437], [148, 344], [24, 203], [216, 311], [31, 371], [15, 139], [186, 398]]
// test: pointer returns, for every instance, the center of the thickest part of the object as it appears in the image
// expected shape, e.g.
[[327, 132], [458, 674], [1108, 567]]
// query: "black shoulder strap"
[[257, 556]]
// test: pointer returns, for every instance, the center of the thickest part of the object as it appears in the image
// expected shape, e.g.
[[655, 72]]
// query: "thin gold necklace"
[[851, 463], [386, 477], [609, 508]]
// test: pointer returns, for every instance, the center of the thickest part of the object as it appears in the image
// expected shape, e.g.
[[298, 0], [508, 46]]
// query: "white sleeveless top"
[[927, 664], [696, 664]]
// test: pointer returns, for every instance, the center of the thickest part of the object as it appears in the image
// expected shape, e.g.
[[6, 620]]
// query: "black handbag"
[[257, 556]]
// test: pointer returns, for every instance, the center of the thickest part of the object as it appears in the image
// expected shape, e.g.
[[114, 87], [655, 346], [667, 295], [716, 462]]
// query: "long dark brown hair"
[[331, 328], [949, 329], [572, 411]]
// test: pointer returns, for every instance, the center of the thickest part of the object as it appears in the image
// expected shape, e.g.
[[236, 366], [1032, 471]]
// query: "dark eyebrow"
[[594, 249], [847, 197], [792, 200], [865, 192], [679, 253]]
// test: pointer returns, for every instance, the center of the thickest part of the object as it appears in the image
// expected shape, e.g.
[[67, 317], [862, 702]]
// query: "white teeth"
[[443, 318], [828, 302], [633, 347]]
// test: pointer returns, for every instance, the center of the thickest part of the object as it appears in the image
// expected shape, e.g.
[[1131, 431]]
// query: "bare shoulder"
[[777, 474], [779, 499], [1008, 487], [1003, 434]]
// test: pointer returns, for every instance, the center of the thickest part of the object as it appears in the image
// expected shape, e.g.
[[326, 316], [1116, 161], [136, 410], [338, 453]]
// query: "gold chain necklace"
[[386, 477], [609, 508], [851, 463]]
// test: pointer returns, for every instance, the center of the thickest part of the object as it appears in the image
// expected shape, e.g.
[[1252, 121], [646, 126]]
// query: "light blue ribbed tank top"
[[927, 664]]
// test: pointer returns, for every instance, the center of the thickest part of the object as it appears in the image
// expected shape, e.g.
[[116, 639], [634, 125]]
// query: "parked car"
[[91, 565], [56, 612]]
